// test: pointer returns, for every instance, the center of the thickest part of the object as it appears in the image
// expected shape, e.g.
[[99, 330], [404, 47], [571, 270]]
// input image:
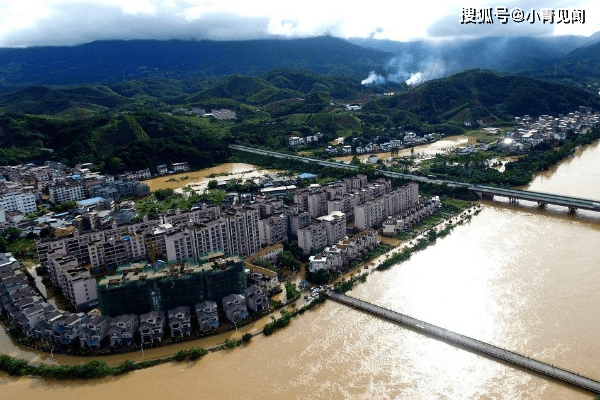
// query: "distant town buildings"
[[533, 131], [220, 114]]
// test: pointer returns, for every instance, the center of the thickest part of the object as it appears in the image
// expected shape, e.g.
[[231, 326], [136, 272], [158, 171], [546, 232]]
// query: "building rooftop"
[[140, 272], [90, 202]]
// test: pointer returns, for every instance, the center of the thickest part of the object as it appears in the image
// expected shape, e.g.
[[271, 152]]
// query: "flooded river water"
[[514, 276], [198, 180], [422, 151]]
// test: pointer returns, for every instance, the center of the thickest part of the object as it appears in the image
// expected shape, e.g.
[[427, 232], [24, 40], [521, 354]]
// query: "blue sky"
[[26, 23]]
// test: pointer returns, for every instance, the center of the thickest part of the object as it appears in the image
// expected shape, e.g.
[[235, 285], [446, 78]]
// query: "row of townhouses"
[[409, 139], [411, 216], [343, 252], [38, 319]]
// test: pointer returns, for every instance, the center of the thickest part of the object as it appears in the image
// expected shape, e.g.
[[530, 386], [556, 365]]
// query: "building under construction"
[[139, 288]]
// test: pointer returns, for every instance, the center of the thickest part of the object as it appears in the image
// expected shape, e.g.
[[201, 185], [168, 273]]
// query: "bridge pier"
[[484, 196], [572, 210], [513, 200], [541, 204], [549, 370]]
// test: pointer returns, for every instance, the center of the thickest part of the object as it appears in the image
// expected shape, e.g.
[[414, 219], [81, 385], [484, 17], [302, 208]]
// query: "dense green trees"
[[287, 260], [474, 168], [320, 277], [129, 127], [117, 142], [291, 291]]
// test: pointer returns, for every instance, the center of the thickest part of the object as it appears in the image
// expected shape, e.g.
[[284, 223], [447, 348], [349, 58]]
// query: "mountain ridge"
[[111, 62]]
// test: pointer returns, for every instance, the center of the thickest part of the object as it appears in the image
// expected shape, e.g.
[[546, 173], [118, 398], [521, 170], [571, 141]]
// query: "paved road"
[[545, 198], [563, 375]]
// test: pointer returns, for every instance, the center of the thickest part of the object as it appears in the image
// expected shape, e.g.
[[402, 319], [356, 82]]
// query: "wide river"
[[515, 276]]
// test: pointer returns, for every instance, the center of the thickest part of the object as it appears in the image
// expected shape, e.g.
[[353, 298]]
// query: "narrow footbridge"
[[552, 371]]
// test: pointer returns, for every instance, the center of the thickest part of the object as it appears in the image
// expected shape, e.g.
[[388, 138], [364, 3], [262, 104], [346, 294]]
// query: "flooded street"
[[422, 151], [198, 180], [514, 276]]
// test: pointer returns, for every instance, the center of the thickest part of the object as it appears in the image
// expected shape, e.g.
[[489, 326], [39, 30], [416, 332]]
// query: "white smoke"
[[373, 78], [399, 67], [414, 79], [402, 69], [431, 70]]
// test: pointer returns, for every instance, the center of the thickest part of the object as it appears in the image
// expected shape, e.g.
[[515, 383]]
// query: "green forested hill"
[[480, 94], [115, 142], [128, 126], [110, 62], [52, 100], [580, 65]]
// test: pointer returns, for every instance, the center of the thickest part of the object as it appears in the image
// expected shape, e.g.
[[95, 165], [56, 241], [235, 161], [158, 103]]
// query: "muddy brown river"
[[514, 276]]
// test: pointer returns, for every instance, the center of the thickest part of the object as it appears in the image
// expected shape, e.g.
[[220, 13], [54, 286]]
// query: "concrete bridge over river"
[[543, 199], [541, 367]]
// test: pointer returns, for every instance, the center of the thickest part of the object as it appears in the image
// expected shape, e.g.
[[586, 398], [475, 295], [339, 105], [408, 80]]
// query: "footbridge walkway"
[[552, 371]]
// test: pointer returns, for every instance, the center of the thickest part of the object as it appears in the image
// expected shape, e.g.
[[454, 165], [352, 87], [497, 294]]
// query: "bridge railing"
[[472, 187], [562, 374]]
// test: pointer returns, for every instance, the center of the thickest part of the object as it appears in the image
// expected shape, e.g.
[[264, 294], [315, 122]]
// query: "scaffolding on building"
[[139, 288]]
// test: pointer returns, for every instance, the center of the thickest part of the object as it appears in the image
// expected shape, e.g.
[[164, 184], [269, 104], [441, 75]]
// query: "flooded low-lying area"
[[198, 180], [423, 151]]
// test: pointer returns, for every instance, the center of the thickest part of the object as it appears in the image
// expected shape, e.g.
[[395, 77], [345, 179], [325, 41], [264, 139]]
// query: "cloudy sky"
[[26, 23]]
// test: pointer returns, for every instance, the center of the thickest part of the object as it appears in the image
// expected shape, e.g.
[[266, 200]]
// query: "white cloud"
[[48, 22]]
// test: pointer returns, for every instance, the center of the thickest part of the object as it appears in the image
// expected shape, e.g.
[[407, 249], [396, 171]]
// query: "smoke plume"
[[411, 67], [431, 70], [373, 79]]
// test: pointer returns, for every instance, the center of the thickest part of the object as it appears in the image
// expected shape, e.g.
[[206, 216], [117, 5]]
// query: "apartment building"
[[273, 229], [75, 282], [67, 192], [297, 219], [233, 233], [335, 226], [373, 213], [312, 237], [16, 201]]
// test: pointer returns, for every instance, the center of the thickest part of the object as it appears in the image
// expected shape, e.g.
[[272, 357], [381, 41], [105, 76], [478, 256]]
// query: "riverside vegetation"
[[98, 368]]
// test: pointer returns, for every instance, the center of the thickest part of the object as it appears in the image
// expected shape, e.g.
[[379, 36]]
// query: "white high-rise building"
[[22, 202]]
